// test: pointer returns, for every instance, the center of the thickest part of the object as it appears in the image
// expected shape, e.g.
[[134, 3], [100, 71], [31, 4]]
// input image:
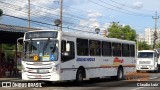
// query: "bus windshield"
[[145, 55], [41, 50]]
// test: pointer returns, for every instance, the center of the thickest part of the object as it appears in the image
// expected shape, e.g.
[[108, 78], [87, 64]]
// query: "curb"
[[9, 79]]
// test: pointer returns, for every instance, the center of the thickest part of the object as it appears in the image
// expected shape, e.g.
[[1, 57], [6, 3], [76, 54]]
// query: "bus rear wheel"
[[120, 74], [79, 77]]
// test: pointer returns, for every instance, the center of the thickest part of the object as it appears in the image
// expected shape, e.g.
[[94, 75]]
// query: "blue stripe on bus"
[[85, 59]]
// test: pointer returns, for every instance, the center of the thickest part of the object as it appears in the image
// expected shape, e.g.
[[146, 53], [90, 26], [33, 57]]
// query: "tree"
[[143, 46], [158, 45], [129, 33], [126, 32], [1, 12], [9, 50]]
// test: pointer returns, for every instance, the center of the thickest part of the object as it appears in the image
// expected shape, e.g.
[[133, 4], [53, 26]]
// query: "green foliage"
[[1, 12], [9, 50], [126, 32], [20, 47], [158, 45], [8, 46], [143, 46]]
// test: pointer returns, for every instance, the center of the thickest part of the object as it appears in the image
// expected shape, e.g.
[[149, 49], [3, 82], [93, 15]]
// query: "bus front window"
[[44, 50], [145, 55]]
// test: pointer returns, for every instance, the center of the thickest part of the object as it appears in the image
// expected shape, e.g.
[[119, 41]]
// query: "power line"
[[35, 13], [129, 6], [41, 25], [27, 20], [116, 9], [78, 18], [48, 18], [50, 8], [33, 21], [73, 16], [25, 13], [124, 9]]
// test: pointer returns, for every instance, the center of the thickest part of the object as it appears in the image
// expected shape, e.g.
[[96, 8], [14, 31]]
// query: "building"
[[149, 36], [140, 38]]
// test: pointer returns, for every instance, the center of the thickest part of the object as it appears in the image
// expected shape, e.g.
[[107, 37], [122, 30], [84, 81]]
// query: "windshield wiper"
[[30, 46], [46, 44]]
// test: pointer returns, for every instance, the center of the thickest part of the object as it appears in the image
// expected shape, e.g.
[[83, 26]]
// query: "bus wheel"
[[120, 74], [79, 77], [156, 71]]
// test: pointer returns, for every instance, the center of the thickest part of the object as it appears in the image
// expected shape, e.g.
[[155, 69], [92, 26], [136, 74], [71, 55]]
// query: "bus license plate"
[[144, 66], [38, 76], [41, 71]]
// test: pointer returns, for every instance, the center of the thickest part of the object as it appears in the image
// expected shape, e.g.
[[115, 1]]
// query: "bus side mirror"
[[68, 47], [19, 42]]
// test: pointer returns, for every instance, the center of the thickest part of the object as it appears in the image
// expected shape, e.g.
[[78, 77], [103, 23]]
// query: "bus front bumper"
[[43, 77], [146, 68]]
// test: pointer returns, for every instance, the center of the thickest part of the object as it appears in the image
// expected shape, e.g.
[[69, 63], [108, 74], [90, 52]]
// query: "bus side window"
[[132, 50], [67, 55], [116, 49]]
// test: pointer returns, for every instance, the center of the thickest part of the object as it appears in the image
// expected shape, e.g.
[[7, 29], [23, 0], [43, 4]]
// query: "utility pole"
[[155, 31], [61, 8], [28, 15]]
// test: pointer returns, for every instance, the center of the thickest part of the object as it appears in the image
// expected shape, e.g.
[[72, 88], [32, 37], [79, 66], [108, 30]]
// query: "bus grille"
[[144, 62]]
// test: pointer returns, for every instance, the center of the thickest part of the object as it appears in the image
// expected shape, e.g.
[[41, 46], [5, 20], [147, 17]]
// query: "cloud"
[[94, 24], [20, 7], [84, 23], [137, 5], [89, 25], [92, 21], [106, 25], [93, 14], [74, 2]]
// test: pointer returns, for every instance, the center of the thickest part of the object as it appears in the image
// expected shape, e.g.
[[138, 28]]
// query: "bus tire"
[[120, 74], [79, 77], [156, 71]]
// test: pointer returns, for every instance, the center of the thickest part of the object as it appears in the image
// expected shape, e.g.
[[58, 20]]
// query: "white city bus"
[[56, 55]]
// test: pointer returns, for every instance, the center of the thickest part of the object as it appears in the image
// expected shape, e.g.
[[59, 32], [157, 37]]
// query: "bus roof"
[[88, 36], [95, 37], [147, 51]]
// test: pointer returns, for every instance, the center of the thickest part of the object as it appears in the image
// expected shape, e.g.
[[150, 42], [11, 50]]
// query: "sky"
[[85, 15]]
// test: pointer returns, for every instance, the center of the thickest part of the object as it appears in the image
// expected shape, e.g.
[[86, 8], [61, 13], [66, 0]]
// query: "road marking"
[[137, 88]]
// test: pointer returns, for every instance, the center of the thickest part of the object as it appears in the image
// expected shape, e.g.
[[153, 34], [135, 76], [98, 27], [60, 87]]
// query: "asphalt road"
[[100, 84]]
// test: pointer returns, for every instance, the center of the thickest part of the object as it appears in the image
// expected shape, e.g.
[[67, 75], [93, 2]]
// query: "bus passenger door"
[[67, 60]]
